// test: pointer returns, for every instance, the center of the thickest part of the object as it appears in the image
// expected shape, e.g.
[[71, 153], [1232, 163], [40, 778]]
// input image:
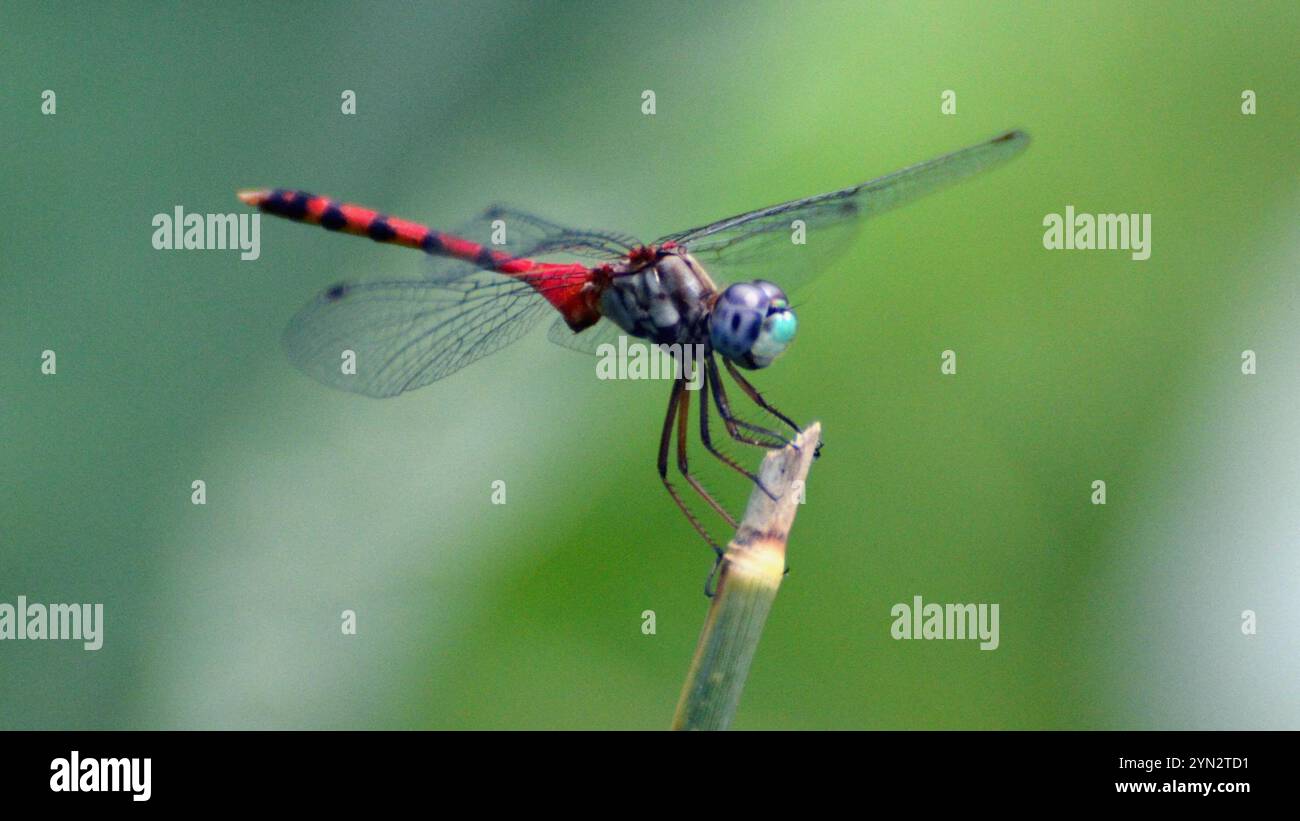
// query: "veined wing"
[[533, 237], [589, 339], [766, 240], [520, 234], [406, 334]]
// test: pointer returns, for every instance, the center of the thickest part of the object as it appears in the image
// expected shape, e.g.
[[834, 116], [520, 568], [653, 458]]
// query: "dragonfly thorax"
[[667, 302]]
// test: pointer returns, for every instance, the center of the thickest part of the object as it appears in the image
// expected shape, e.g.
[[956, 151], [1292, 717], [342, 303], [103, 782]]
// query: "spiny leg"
[[722, 457], [753, 394], [673, 401], [731, 422], [683, 406]]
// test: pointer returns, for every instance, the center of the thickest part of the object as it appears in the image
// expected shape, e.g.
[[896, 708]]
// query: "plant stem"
[[751, 572]]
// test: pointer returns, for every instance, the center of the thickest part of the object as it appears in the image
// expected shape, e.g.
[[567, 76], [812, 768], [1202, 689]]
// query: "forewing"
[[766, 241], [521, 234]]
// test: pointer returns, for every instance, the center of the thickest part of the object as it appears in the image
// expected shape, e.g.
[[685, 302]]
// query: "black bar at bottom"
[[331, 769]]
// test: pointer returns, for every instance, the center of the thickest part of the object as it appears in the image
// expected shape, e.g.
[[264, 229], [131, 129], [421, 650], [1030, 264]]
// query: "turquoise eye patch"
[[783, 326]]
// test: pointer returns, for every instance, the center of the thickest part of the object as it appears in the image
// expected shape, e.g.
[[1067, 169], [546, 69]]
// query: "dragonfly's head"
[[752, 323]]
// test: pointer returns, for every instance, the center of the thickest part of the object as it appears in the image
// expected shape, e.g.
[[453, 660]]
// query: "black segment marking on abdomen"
[[380, 230], [333, 219]]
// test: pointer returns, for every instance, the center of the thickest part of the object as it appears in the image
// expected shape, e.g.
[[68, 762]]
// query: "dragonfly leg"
[[722, 457], [664, 441], [730, 421], [684, 405], [753, 394]]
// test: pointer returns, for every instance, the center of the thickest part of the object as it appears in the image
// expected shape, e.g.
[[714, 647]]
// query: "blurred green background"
[[1072, 367]]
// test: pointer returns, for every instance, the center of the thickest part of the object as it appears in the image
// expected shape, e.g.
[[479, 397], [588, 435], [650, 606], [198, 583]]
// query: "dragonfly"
[[488, 283]]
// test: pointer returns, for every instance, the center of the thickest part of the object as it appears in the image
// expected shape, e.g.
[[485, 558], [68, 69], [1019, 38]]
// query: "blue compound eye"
[[752, 324]]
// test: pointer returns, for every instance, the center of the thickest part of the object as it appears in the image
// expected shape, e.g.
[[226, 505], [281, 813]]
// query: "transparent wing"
[[589, 339], [406, 334], [536, 238], [521, 234], [766, 241]]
